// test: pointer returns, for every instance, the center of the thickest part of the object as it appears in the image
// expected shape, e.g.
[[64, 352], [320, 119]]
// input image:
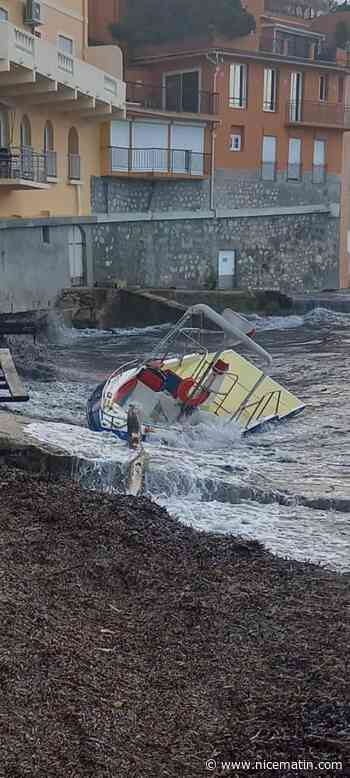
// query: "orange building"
[[254, 123]]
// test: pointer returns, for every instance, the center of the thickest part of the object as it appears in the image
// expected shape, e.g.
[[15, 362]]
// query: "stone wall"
[[296, 252], [238, 189], [249, 191], [114, 195]]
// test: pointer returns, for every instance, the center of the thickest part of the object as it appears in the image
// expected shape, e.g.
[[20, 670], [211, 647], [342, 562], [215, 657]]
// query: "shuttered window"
[[238, 85], [270, 89]]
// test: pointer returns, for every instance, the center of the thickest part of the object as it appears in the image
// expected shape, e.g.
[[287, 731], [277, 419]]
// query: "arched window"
[[49, 141], [4, 131], [26, 133], [73, 155], [4, 15], [49, 150]]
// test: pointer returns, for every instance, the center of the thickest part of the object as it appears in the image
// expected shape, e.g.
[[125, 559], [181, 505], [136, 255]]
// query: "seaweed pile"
[[132, 646]]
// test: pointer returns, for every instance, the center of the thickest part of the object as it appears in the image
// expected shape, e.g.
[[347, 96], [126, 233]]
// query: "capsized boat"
[[184, 381]]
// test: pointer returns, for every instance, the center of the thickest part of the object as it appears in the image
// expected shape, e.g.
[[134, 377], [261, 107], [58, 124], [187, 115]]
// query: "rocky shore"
[[133, 646]]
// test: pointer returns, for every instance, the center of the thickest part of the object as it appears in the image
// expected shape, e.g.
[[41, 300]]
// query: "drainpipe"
[[212, 171], [85, 28], [216, 59]]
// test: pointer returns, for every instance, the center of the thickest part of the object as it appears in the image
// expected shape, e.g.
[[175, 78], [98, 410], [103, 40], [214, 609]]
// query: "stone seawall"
[[291, 252]]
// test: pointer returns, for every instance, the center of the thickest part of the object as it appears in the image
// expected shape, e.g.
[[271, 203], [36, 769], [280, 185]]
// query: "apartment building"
[[55, 92], [247, 137]]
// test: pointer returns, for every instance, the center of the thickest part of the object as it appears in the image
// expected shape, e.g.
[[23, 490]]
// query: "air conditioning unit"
[[236, 142], [32, 13]]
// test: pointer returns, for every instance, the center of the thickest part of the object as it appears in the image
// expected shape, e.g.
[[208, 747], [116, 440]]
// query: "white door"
[[226, 269], [187, 147], [296, 96], [269, 156], [76, 256], [120, 143], [150, 146]]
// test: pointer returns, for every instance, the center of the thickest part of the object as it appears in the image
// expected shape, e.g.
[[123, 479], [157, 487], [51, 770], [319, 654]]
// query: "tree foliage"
[[342, 34], [160, 21]]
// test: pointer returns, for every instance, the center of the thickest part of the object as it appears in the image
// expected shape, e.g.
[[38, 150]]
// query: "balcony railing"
[[158, 161], [74, 167], [23, 164], [22, 51], [268, 171], [301, 9], [319, 173], [317, 113], [304, 49], [161, 98], [294, 170]]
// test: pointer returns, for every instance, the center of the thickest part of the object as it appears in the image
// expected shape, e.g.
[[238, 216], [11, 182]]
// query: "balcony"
[[33, 71], [301, 48], [299, 8], [317, 114], [23, 168], [155, 163], [147, 97]]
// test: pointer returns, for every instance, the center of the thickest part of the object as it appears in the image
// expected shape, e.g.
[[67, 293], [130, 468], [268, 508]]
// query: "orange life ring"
[[184, 390]]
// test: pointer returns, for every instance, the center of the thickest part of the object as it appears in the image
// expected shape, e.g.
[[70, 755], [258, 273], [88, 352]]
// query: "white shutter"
[[120, 143], [183, 140], [320, 152], [269, 149], [294, 156], [150, 146]]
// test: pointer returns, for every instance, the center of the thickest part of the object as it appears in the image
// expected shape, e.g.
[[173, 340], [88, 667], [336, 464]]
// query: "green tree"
[[342, 34], [160, 21]]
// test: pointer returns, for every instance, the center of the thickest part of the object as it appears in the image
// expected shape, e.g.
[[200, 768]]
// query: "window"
[[50, 154], [294, 160], [3, 129], [65, 45], [269, 156], [296, 96], [323, 89], [238, 86], [4, 15], [73, 155], [319, 162], [182, 92], [270, 89], [341, 89], [25, 133], [48, 137], [236, 143]]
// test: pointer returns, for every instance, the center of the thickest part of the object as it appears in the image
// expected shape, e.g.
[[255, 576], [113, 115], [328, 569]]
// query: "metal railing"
[[317, 113], [301, 48], [51, 163], [164, 98], [170, 161], [319, 174], [74, 167], [294, 171], [268, 171], [23, 163]]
